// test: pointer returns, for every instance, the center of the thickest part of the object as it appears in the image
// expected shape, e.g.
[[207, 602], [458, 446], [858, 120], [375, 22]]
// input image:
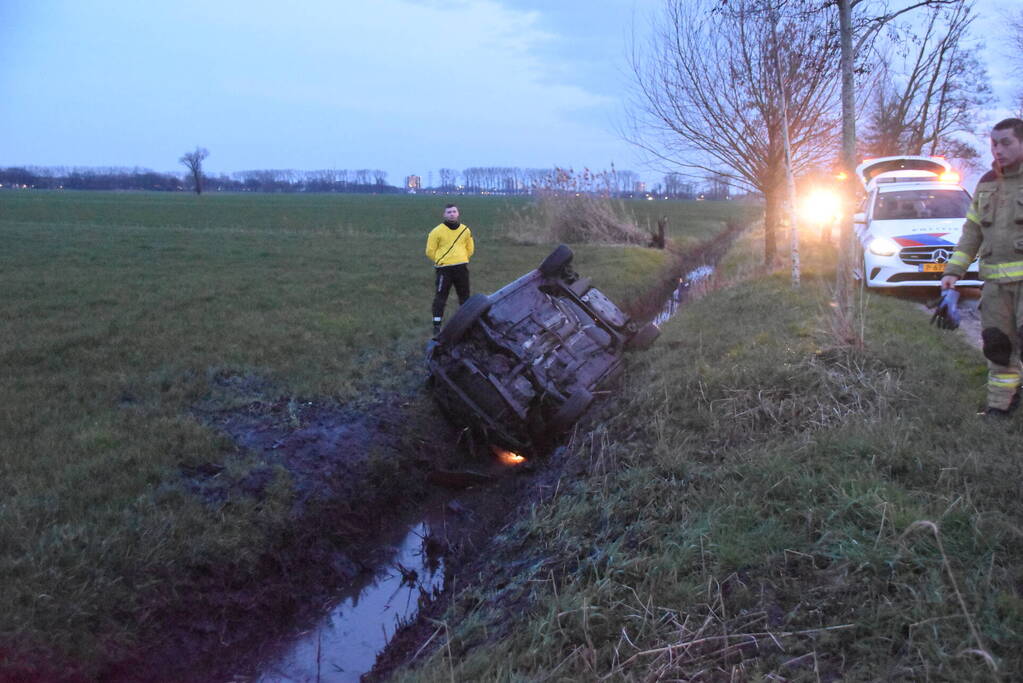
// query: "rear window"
[[921, 204]]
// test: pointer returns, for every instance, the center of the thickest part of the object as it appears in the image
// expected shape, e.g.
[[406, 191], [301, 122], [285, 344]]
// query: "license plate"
[[934, 267]]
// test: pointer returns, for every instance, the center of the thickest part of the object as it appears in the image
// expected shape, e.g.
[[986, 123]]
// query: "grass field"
[[120, 308], [762, 504]]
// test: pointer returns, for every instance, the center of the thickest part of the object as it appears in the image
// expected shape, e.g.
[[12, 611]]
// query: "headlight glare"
[[883, 246]]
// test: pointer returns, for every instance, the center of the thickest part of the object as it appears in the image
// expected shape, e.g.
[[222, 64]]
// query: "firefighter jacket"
[[450, 246], [993, 229]]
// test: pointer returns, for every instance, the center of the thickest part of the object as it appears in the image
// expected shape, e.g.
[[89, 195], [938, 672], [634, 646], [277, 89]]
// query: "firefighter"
[[449, 246], [994, 231]]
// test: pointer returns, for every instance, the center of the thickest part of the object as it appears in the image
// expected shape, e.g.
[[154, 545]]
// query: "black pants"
[[446, 276]]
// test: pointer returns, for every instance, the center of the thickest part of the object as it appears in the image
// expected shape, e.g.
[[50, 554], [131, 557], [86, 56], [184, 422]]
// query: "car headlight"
[[883, 246]]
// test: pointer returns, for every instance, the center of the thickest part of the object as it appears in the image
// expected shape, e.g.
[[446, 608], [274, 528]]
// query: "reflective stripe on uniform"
[[1000, 271], [971, 215], [1003, 380], [960, 258]]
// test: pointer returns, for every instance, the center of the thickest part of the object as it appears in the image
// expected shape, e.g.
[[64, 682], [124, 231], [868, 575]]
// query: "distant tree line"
[[510, 180], [497, 180], [99, 178], [112, 178]]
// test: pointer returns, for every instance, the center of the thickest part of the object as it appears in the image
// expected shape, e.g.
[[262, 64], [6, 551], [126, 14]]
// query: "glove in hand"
[[946, 316]]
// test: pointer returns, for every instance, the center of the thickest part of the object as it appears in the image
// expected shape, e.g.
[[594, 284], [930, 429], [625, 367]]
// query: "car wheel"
[[467, 314], [643, 339], [556, 261], [571, 410]]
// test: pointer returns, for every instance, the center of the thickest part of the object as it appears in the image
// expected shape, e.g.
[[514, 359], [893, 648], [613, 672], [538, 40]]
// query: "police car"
[[910, 222]]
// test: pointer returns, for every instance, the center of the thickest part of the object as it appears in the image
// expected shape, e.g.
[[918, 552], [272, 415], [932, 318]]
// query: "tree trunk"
[[843, 278], [790, 181], [772, 216]]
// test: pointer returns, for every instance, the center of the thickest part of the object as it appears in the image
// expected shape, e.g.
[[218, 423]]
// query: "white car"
[[910, 222]]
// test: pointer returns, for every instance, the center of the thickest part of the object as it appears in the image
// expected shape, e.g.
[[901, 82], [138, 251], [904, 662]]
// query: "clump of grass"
[[576, 208], [580, 219]]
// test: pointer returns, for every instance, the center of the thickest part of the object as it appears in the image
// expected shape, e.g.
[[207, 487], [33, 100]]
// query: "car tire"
[[643, 339], [571, 410], [464, 318], [556, 261]]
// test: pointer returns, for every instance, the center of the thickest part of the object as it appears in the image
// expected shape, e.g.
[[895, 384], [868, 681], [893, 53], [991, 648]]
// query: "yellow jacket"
[[447, 247]]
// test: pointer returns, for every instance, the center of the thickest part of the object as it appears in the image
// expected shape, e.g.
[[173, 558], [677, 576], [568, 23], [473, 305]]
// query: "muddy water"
[[345, 642], [686, 285]]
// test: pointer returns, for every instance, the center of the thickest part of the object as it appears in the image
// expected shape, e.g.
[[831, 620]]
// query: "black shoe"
[[995, 413]]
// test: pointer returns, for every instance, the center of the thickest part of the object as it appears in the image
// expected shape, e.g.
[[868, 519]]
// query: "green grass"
[[120, 308], [760, 503]]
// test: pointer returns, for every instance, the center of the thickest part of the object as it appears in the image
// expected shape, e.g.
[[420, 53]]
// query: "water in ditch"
[[694, 279], [345, 643]]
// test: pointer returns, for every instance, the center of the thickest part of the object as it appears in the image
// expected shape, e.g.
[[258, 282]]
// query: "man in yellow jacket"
[[994, 231], [449, 246]]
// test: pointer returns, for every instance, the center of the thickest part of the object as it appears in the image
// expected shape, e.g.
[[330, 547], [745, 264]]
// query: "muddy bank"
[[493, 507]]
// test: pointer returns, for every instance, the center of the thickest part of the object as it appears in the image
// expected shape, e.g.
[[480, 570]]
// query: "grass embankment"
[[121, 309], [761, 504]]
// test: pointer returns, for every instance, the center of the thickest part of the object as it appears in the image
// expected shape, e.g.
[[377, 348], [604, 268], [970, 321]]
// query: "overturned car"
[[519, 367]]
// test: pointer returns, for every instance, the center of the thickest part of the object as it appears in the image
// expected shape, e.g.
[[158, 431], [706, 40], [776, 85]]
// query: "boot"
[[1002, 413]]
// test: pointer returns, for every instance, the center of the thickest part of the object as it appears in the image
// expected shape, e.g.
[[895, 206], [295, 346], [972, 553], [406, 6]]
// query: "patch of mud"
[[323, 446]]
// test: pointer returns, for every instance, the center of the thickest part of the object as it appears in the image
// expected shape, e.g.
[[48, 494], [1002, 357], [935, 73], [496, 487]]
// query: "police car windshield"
[[921, 204]]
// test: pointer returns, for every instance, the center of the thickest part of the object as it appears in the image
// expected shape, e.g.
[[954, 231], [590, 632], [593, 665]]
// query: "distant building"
[[414, 182], [639, 187]]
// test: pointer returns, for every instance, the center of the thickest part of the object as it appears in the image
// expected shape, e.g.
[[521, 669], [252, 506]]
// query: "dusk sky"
[[406, 86]]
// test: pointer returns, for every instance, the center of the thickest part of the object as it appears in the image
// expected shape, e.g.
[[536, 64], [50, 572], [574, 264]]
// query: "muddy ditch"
[[390, 505], [418, 638]]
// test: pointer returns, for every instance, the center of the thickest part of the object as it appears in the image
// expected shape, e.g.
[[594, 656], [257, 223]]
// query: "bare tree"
[[707, 94], [937, 95], [1016, 52], [448, 176], [193, 162]]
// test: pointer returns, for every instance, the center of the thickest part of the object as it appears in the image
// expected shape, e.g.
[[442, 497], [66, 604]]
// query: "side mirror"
[[860, 218]]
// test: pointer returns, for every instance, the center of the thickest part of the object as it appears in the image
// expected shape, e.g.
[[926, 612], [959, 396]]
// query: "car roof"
[[929, 185], [874, 172]]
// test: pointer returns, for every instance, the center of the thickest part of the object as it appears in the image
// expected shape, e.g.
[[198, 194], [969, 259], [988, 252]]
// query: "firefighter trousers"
[[1001, 317]]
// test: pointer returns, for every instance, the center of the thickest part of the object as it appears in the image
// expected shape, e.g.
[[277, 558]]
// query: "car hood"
[[919, 233]]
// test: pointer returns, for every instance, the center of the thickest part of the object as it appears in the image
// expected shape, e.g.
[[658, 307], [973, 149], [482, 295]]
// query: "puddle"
[[686, 284], [344, 644]]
